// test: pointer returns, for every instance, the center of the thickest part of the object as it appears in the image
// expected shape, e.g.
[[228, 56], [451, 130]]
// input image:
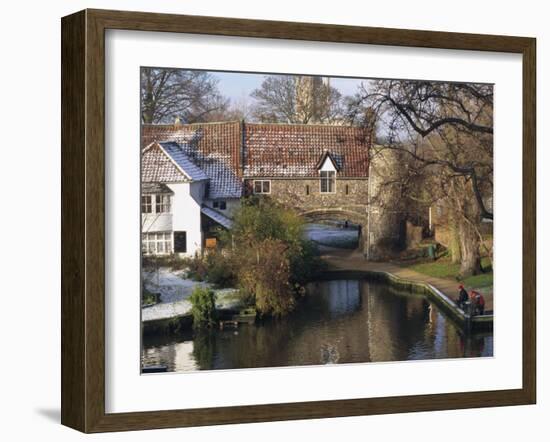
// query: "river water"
[[341, 321]]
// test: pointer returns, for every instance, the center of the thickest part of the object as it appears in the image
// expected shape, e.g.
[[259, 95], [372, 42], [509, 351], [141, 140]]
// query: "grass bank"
[[444, 268]]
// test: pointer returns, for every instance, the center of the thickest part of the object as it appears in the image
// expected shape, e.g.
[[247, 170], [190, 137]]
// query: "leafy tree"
[[272, 260]]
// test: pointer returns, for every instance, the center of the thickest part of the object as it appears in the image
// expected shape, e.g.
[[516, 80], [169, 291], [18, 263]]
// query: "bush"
[[148, 298], [173, 261], [220, 269], [265, 275], [203, 307], [271, 259], [196, 267]]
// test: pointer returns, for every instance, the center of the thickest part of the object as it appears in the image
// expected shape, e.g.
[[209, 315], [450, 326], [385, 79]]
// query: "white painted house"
[[174, 199]]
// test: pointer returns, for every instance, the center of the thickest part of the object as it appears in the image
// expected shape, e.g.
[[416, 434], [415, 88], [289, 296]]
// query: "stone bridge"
[[343, 215]]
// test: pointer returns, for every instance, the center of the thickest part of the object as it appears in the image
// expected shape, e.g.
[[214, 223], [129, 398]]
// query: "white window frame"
[[327, 179], [153, 242], [262, 182], [153, 203], [147, 204], [165, 202]]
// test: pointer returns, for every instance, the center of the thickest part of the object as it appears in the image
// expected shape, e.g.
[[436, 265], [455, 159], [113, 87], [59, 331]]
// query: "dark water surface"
[[339, 321]]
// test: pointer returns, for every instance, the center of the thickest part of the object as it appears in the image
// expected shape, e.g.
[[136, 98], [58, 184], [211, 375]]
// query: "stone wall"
[[414, 235], [387, 214], [382, 215], [304, 194]]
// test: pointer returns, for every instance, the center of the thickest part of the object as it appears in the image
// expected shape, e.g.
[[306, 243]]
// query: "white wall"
[[30, 381], [186, 212], [328, 165], [232, 204], [156, 222]]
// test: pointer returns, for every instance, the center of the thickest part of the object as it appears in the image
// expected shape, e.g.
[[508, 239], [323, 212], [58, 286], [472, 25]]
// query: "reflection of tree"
[[204, 349], [391, 325]]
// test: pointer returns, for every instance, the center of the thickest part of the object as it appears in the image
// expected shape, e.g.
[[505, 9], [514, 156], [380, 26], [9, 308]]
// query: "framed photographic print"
[[266, 221]]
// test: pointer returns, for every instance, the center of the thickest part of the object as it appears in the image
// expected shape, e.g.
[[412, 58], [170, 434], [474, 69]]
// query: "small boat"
[[246, 316]]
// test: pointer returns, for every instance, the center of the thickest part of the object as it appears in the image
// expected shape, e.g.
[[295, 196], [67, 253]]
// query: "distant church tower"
[[312, 99]]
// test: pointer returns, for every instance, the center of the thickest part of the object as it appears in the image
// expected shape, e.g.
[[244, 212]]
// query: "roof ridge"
[[305, 125], [246, 123], [177, 126]]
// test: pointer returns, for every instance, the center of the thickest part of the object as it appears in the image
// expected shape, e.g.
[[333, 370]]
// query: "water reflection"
[[338, 322]]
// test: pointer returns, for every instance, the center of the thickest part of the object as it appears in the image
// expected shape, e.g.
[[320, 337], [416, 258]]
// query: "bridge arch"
[[335, 214], [342, 215]]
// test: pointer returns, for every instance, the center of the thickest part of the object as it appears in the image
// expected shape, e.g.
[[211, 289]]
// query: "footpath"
[[342, 259]]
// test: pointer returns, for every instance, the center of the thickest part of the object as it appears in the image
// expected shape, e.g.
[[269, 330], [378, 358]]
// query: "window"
[[180, 242], [156, 243], [307, 189], [223, 206], [328, 181], [146, 206], [347, 189], [162, 203], [215, 204], [262, 186]]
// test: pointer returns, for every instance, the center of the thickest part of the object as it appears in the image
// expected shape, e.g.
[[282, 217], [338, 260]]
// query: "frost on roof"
[[214, 148], [183, 161], [218, 217]]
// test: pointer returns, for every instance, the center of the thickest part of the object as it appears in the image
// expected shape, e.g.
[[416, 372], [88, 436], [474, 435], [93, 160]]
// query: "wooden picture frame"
[[83, 220]]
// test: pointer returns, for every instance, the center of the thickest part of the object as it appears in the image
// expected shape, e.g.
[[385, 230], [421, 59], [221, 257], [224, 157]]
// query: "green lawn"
[[443, 268]]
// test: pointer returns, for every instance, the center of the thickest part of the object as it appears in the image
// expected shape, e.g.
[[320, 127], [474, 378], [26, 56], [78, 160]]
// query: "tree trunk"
[[454, 245], [469, 248]]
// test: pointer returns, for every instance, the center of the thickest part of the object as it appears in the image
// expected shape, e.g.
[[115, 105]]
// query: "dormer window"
[[327, 173], [328, 181]]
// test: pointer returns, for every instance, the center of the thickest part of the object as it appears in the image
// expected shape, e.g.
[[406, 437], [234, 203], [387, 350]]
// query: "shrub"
[[264, 274], [271, 259], [305, 263], [196, 267], [203, 307], [148, 298], [151, 262], [220, 269]]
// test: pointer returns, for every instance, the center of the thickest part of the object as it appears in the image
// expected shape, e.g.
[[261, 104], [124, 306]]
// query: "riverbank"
[[351, 319], [443, 268], [174, 311], [441, 290], [176, 316]]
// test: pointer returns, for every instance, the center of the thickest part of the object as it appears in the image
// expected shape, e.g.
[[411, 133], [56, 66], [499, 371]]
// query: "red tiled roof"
[[213, 147], [156, 167], [227, 151], [285, 150]]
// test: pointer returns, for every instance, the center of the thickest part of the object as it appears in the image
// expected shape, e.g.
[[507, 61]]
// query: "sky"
[[236, 85]]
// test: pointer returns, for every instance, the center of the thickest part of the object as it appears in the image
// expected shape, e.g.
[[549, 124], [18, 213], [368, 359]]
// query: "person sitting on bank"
[[462, 296], [478, 302]]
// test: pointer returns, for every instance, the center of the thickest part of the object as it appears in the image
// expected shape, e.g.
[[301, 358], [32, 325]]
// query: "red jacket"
[[477, 298]]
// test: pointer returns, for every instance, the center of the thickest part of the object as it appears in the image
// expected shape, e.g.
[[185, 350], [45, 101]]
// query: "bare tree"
[[297, 99], [167, 94], [237, 109], [446, 131]]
